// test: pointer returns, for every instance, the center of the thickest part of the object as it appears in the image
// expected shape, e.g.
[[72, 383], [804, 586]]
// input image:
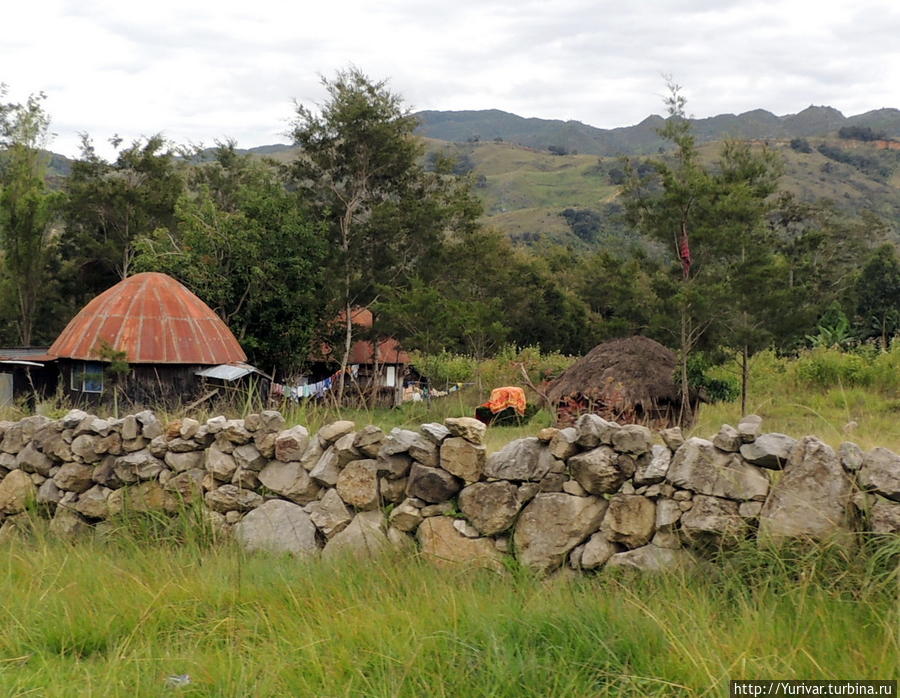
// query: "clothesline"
[[317, 389]]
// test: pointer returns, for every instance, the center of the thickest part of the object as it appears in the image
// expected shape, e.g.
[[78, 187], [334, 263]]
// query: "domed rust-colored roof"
[[154, 320]]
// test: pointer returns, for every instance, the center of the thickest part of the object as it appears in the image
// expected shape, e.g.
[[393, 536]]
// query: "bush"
[[825, 368]]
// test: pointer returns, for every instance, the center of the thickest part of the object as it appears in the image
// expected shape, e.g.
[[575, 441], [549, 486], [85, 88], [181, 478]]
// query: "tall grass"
[[118, 619]]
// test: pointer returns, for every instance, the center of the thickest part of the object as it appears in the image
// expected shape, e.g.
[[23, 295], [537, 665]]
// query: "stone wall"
[[597, 494]]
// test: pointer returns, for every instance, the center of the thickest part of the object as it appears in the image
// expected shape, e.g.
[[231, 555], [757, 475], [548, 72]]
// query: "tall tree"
[[111, 204], [878, 296], [241, 243], [28, 209], [358, 166]]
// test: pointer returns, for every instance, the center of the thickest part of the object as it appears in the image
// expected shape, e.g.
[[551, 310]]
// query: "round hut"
[[629, 380], [155, 328]]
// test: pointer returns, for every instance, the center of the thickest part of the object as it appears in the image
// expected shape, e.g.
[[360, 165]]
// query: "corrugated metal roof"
[[154, 320], [227, 372]]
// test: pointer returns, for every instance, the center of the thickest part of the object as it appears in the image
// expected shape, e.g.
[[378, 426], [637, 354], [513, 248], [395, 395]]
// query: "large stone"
[[749, 428], [232, 498], [653, 468], [852, 456], [271, 421], [667, 513], [700, 467], [630, 519], [491, 507], [220, 464], [329, 514], [551, 525], [151, 427], [425, 451], [632, 438], [436, 432], [593, 431], [144, 497], [248, 457], [714, 521], [187, 485], [68, 524], [769, 451], [84, 448], [651, 558], [601, 470], [728, 439], [467, 428], [332, 432], [49, 493], [327, 468], [444, 546], [392, 490], [405, 516], [394, 466], [880, 472], [277, 526], [358, 484], [290, 480], [884, 516], [597, 551], [181, 462], [234, 432], [140, 465], [345, 450], [16, 491], [812, 498], [434, 485], [463, 458], [93, 502], [368, 440], [673, 438], [31, 460], [520, 460], [563, 443], [74, 477], [365, 537]]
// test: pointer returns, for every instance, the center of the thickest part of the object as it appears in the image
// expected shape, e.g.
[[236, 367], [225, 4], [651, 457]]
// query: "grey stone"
[[48, 493], [16, 491], [140, 465], [673, 438], [332, 432], [345, 450], [92, 503], [467, 529], [220, 464], [467, 428], [394, 466], [144, 497], [436, 432], [563, 444], [444, 546], [572, 487], [74, 477], [630, 519], [368, 440], [248, 457], [667, 539], [698, 466], [812, 498], [653, 469], [601, 470], [714, 521], [392, 490], [271, 421], [441, 509], [651, 558], [593, 431], [668, 512], [728, 439], [884, 516], [551, 525], [245, 479], [749, 428], [150, 425], [181, 462], [188, 485], [406, 516], [852, 456], [632, 438], [277, 526], [431, 484], [491, 507], [357, 484], [880, 472], [68, 524], [31, 460], [232, 498], [327, 468], [749, 510], [290, 480], [83, 447], [365, 537], [769, 451], [329, 514], [597, 551], [518, 460], [463, 458]]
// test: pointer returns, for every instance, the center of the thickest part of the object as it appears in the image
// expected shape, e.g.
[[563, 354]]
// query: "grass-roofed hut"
[[629, 380]]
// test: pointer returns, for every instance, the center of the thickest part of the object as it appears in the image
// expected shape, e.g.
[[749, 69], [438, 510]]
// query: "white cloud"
[[200, 70]]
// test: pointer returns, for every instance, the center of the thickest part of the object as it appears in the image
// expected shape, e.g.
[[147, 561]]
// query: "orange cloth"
[[501, 398]]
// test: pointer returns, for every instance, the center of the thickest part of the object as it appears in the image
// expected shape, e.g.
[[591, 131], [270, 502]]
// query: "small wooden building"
[[164, 333]]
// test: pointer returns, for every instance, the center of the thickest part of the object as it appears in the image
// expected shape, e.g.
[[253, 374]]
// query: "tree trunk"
[[745, 376], [686, 417]]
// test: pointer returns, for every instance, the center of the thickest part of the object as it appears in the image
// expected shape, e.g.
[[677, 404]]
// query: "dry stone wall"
[[590, 496]]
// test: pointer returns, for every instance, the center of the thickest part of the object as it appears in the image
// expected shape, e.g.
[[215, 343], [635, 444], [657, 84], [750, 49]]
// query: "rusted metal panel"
[[153, 319]]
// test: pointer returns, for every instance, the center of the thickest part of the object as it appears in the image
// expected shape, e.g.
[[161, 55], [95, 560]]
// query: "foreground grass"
[[103, 619]]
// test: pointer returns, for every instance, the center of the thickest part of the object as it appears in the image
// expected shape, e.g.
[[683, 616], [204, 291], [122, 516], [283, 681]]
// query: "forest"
[[720, 262]]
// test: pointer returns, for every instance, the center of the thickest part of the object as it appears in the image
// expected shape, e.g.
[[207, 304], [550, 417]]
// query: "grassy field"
[[119, 616], [104, 619]]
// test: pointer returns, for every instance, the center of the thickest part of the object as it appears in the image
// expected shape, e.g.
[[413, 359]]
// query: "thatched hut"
[[629, 380]]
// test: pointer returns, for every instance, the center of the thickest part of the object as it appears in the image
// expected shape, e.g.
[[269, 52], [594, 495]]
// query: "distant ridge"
[[642, 138]]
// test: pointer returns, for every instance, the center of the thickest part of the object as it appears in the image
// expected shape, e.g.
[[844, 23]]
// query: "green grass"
[[118, 619]]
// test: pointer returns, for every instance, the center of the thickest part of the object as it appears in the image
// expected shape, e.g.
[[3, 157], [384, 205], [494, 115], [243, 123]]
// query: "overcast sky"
[[204, 70]]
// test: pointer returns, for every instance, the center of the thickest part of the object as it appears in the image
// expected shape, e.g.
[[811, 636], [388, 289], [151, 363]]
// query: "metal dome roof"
[[154, 320]]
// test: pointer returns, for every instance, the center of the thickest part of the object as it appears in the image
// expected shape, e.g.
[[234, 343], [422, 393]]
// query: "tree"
[[111, 204], [712, 219], [358, 167], [878, 296], [28, 209], [242, 244]]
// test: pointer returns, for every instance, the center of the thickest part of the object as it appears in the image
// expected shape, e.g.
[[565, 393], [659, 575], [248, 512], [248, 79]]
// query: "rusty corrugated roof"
[[154, 320]]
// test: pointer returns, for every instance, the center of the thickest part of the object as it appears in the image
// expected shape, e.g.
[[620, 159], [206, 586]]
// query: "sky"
[[200, 71]]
